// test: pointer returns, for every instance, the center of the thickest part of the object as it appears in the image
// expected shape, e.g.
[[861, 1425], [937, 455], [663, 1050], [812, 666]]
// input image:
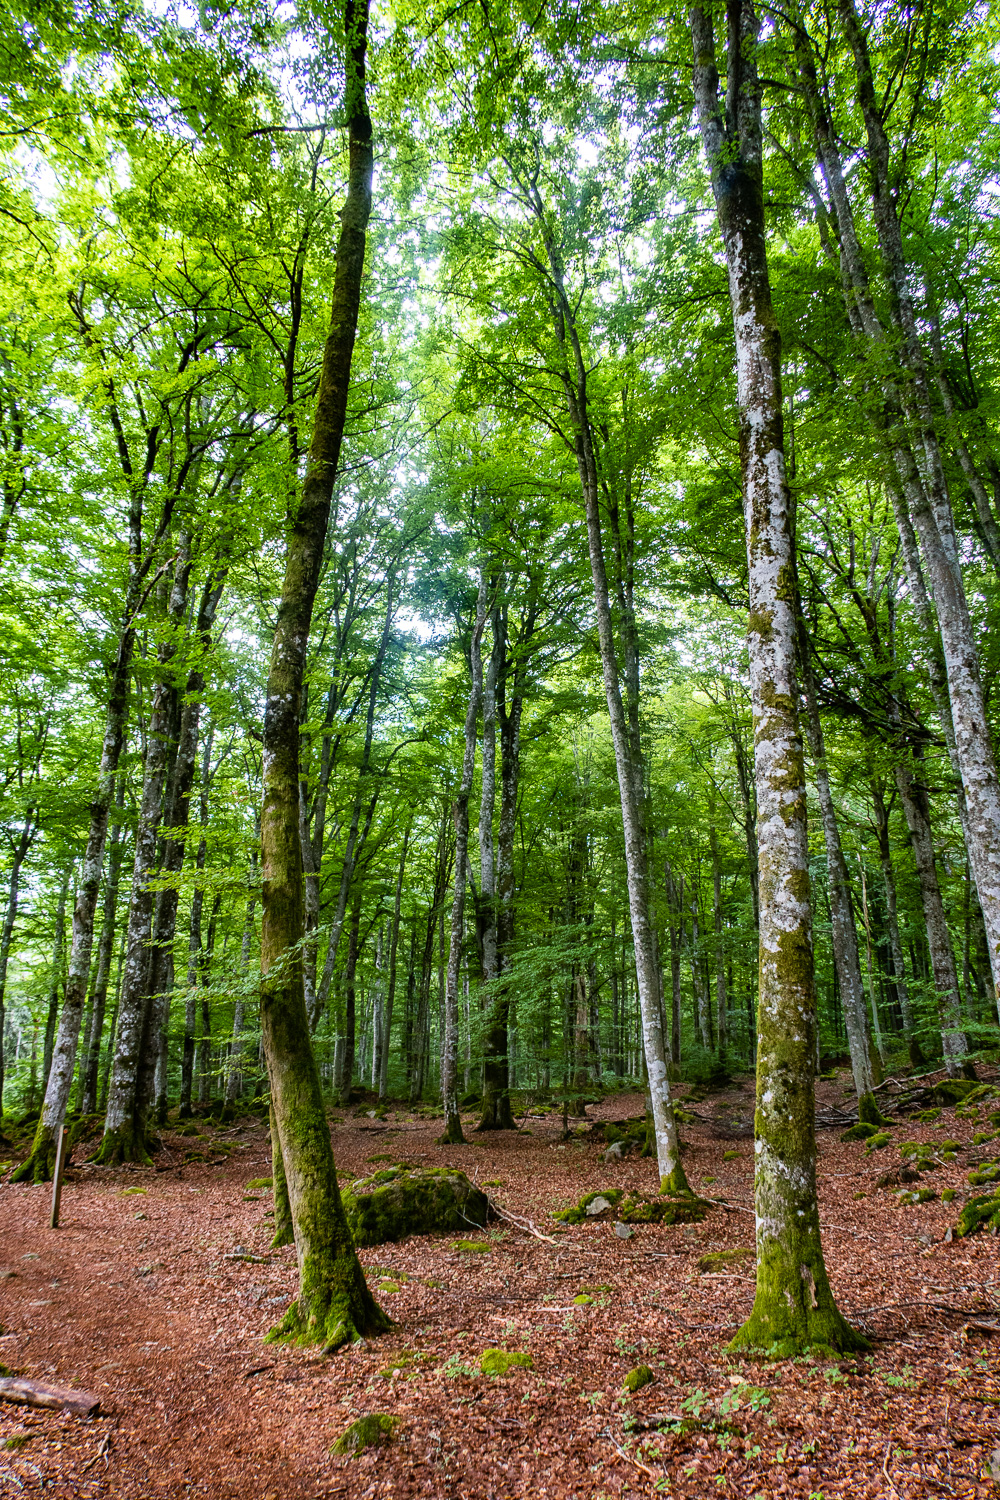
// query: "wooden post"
[[57, 1178]]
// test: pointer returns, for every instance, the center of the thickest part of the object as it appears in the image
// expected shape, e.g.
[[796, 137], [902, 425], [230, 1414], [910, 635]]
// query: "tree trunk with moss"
[[793, 1306], [334, 1305]]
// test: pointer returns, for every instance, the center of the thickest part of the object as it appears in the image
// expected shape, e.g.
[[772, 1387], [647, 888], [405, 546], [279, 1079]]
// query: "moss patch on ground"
[[371, 1431], [717, 1260], [500, 1361], [637, 1378]]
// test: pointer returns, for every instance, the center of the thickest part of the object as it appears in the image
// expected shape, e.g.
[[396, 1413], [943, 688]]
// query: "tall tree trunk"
[[793, 1306], [628, 759], [194, 938], [460, 812], [234, 1071], [105, 952], [125, 1124], [334, 1305], [721, 1018], [350, 1019]]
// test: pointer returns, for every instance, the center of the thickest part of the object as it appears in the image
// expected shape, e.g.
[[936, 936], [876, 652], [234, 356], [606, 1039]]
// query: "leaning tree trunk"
[[793, 1305], [334, 1305], [844, 933], [449, 1049]]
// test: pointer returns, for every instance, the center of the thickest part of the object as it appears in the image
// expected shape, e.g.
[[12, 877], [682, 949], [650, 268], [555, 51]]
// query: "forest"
[[499, 583]]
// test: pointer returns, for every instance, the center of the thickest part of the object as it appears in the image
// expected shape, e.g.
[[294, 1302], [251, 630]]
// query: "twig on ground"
[[524, 1224]]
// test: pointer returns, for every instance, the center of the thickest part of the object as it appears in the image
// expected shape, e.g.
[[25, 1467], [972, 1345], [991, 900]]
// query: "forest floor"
[[144, 1298]]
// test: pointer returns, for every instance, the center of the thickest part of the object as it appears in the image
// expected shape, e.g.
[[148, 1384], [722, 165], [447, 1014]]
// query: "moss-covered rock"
[[862, 1131], [372, 1431], [927, 1116], [634, 1209], [878, 1142], [988, 1172], [500, 1361], [982, 1212], [908, 1196], [401, 1201], [717, 1260], [952, 1091], [637, 1378]]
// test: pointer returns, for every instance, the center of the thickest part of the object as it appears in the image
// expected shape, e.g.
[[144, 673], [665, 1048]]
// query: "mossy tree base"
[[452, 1135], [337, 1309], [121, 1147], [869, 1112], [793, 1313], [676, 1184], [41, 1164]]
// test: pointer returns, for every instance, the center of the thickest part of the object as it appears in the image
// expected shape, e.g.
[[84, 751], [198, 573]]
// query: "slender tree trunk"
[[58, 983], [917, 1058], [460, 812], [353, 933], [383, 1077], [234, 1073], [793, 1306], [721, 1017], [21, 848], [627, 755], [194, 939], [844, 932], [916, 810], [334, 1305]]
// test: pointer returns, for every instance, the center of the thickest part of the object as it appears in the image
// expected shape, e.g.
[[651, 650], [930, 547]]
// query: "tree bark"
[[105, 952], [793, 1305], [334, 1305], [383, 1076]]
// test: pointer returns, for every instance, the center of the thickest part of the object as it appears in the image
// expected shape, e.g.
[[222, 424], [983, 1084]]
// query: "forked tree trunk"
[[334, 1305], [793, 1305]]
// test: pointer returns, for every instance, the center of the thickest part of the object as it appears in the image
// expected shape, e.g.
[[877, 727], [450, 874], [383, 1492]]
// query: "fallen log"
[[55, 1397]]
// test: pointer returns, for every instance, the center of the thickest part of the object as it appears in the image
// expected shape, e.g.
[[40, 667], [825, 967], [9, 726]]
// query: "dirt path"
[[158, 1300]]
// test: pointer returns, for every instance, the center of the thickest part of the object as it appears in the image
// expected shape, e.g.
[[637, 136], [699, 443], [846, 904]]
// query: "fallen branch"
[[54, 1397], [524, 1224]]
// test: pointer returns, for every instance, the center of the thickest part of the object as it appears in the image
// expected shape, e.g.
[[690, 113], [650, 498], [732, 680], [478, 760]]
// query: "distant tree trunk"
[[383, 1077], [917, 1058], [334, 1305], [460, 813], [721, 1021], [234, 1072], [675, 895], [913, 796], [28, 831], [844, 932], [793, 1306], [353, 933]]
